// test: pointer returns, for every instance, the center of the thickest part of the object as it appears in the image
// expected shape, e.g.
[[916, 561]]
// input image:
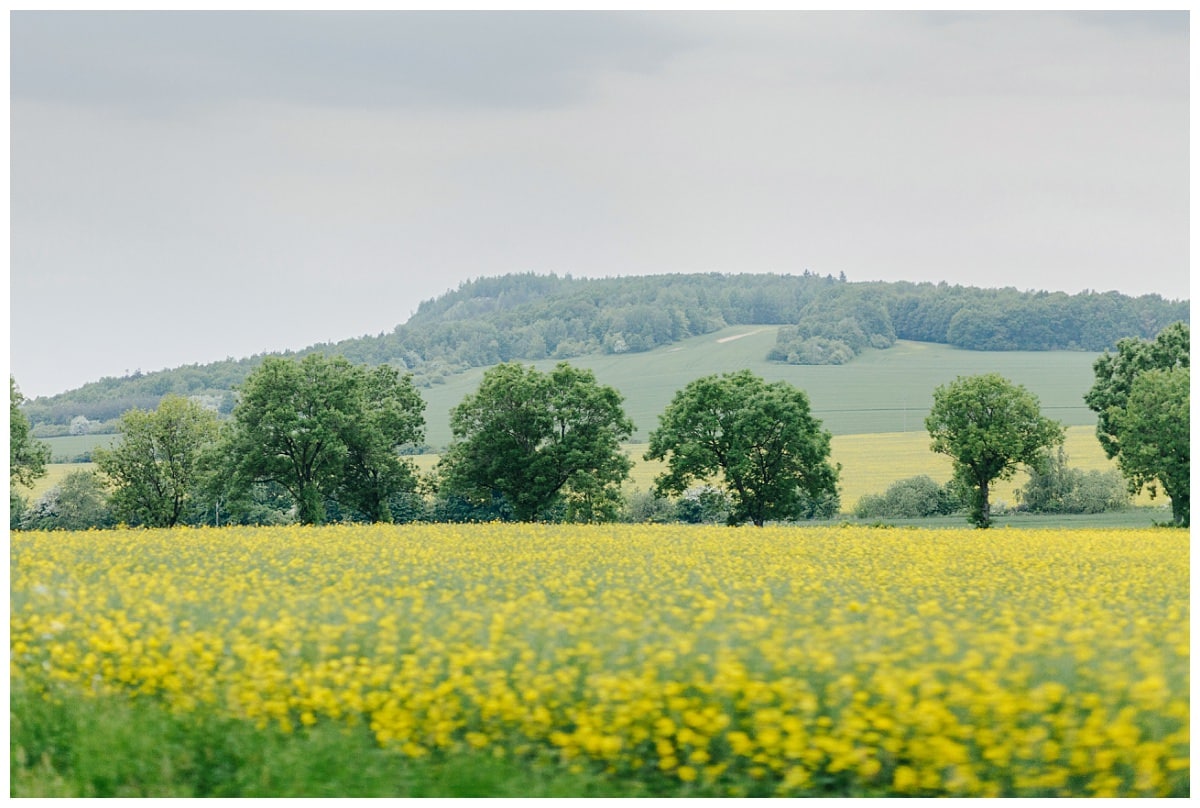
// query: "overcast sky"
[[191, 186]]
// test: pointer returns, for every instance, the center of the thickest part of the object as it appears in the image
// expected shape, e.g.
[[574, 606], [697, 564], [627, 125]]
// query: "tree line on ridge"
[[528, 317]]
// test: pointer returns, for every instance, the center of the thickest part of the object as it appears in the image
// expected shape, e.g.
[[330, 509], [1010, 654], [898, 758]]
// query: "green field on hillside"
[[880, 391], [68, 447]]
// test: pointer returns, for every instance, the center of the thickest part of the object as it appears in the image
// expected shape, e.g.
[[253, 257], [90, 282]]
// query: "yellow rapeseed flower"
[[950, 662]]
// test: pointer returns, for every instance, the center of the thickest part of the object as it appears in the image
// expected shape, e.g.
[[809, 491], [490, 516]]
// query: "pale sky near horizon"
[[186, 187]]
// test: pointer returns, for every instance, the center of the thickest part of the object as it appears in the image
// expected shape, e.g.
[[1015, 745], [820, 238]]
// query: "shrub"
[[703, 505], [643, 507], [79, 502], [912, 498], [1058, 488]]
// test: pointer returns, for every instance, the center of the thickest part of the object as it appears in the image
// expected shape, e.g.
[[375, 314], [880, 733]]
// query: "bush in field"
[[79, 502], [258, 504], [705, 505], [407, 506], [914, 498], [450, 506], [1058, 488], [17, 505], [645, 507]]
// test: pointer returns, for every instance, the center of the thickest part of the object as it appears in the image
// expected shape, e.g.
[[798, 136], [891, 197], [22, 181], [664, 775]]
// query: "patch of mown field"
[[647, 660]]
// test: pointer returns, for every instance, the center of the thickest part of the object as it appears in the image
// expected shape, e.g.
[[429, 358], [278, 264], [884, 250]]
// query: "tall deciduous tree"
[[27, 457], [155, 468], [1155, 437], [1133, 429], [391, 416], [989, 427], [760, 438], [537, 439], [325, 429]]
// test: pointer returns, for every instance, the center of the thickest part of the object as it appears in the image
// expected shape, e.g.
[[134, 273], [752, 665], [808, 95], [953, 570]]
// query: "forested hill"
[[529, 317]]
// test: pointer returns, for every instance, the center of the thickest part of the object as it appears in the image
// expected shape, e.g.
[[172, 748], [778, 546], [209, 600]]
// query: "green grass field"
[[71, 446], [880, 391]]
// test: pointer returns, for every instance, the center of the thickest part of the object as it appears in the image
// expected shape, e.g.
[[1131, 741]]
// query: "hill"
[[803, 322]]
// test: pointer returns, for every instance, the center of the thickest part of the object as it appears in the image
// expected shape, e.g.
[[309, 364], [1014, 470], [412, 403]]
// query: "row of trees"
[[327, 437], [1142, 397], [527, 317]]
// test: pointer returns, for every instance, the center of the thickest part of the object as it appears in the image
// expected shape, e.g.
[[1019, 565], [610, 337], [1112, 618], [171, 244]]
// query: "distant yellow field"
[[54, 475], [870, 463]]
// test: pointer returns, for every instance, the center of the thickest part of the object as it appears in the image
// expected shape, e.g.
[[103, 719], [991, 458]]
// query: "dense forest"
[[826, 320]]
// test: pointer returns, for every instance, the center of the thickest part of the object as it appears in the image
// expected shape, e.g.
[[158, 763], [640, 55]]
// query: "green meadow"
[[880, 391]]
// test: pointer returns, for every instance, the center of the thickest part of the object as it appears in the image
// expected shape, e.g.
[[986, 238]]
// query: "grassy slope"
[[880, 391], [75, 445]]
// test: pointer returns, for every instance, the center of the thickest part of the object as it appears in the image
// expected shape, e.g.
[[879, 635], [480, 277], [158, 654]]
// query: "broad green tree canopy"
[[27, 457], [540, 440], [989, 427], [1144, 424], [326, 429], [391, 416], [761, 439], [155, 468], [1155, 430]]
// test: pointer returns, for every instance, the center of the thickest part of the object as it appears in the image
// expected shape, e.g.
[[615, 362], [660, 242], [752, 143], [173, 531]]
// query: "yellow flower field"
[[783, 660]]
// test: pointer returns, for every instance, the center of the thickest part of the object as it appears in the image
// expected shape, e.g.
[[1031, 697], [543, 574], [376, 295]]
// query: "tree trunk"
[[985, 506], [1180, 510], [310, 506]]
